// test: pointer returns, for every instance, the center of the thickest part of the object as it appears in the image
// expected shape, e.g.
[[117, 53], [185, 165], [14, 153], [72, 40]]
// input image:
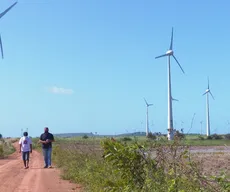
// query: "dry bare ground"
[[14, 178], [213, 159]]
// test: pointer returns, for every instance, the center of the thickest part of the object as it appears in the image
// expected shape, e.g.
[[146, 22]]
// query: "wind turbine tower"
[[207, 92], [147, 117], [168, 54]]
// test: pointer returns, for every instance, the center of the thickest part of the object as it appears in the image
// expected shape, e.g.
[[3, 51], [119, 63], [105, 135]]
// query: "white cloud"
[[60, 90]]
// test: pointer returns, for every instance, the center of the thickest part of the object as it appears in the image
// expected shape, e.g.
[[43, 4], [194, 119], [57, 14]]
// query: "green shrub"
[[1, 151], [6, 148], [151, 136], [85, 137], [133, 167], [209, 137], [227, 136], [200, 137], [217, 137], [214, 136], [179, 135], [126, 139]]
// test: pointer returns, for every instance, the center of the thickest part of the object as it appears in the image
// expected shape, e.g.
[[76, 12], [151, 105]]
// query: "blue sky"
[[85, 66]]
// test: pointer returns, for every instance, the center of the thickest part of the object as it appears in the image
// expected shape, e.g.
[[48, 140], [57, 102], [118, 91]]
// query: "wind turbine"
[[1, 15], [147, 116], [170, 53], [207, 92]]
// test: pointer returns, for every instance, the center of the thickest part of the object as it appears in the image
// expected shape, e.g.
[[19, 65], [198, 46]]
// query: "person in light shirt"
[[25, 148]]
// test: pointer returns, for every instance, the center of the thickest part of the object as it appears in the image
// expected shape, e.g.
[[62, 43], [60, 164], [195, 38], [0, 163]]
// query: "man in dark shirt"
[[46, 139]]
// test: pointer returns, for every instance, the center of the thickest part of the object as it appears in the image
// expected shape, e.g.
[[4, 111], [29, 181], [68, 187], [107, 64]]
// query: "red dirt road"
[[14, 178]]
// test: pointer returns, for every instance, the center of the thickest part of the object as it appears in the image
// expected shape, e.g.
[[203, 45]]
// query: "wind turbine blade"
[[174, 99], [204, 93], [161, 56], [178, 63], [150, 104], [1, 47], [211, 95], [4, 12], [208, 82], [171, 43], [146, 102]]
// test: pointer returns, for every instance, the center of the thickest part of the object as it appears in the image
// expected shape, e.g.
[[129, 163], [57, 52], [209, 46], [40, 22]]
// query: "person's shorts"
[[25, 155]]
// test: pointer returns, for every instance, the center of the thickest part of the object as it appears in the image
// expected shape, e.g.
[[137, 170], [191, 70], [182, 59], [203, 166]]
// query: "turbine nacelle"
[[208, 90], [169, 52], [147, 104]]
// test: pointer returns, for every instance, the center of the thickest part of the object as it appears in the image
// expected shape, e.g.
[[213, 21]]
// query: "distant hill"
[[69, 135]]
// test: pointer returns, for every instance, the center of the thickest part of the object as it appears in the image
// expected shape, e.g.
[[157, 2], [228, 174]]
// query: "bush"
[[85, 137], [200, 137], [227, 136], [132, 167], [179, 135], [209, 137], [217, 137], [6, 148], [214, 136], [126, 139], [170, 170], [1, 151], [152, 136]]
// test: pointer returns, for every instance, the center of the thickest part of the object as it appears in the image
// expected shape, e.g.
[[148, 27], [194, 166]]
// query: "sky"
[[85, 66]]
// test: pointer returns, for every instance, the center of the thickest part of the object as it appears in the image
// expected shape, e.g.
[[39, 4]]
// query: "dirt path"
[[14, 178]]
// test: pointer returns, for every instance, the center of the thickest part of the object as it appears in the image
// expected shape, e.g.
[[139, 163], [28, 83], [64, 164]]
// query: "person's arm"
[[41, 141], [20, 145], [30, 146], [51, 138]]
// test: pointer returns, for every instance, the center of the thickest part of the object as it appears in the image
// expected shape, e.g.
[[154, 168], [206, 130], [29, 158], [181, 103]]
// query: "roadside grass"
[[88, 162], [212, 142], [81, 162], [6, 147]]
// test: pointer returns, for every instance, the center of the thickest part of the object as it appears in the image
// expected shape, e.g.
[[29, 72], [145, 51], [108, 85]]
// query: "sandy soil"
[[213, 160], [14, 178]]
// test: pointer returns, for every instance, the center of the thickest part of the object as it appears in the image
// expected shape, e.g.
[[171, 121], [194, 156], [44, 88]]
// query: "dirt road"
[[14, 178]]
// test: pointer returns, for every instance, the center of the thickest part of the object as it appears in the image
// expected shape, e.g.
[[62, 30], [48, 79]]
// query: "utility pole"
[[228, 127], [201, 127], [182, 126]]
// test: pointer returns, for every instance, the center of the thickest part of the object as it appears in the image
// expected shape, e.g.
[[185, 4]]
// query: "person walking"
[[46, 139], [25, 144]]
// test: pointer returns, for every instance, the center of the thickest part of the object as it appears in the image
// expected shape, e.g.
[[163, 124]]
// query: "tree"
[[0, 136], [151, 136], [85, 137]]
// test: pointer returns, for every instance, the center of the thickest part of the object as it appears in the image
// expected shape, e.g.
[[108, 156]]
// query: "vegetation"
[[152, 136], [118, 165], [6, 147], [126, 139], [85, 137]]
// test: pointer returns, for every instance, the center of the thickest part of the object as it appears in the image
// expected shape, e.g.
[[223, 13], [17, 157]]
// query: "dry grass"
[[213, 163]]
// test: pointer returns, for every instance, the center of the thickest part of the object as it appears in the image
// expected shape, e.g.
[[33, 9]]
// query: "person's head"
[[46, 130], [25, 134]]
